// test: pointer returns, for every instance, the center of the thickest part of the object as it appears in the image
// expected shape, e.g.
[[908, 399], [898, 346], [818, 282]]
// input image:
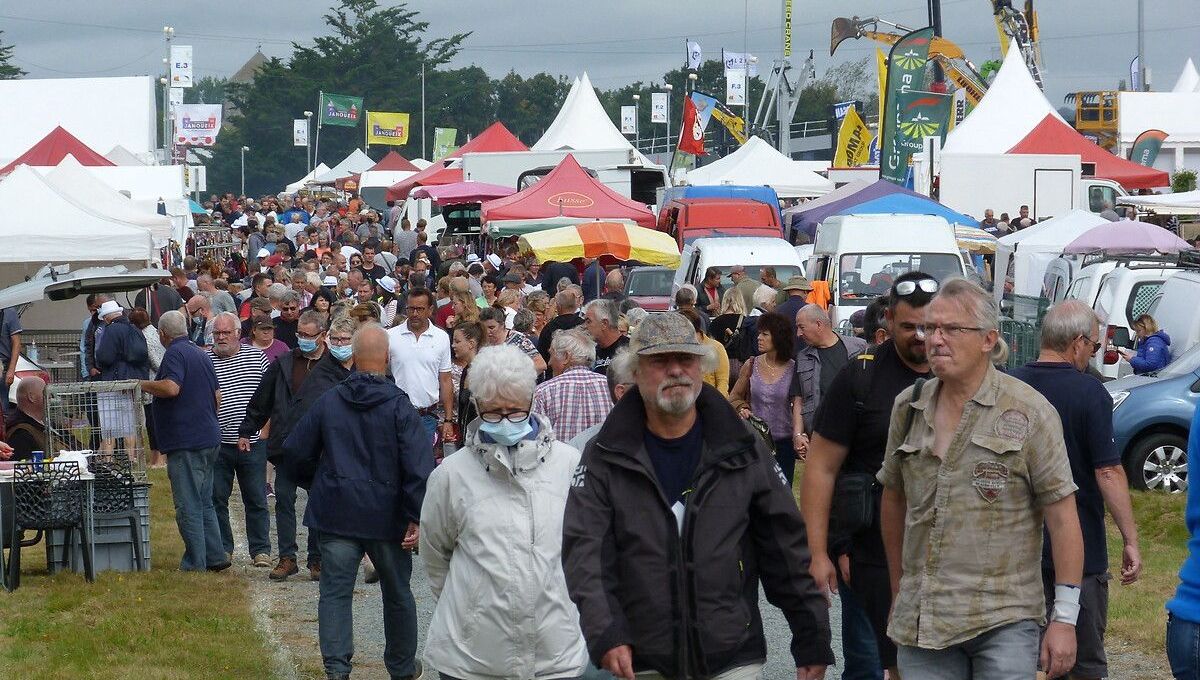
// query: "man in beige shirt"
[[972, 466]]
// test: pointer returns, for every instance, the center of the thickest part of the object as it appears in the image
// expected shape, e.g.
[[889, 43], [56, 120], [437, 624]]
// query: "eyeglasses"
[[1095, 345], [948, 330], [340, 341], [497, 416], [305, 336], [906, 288]]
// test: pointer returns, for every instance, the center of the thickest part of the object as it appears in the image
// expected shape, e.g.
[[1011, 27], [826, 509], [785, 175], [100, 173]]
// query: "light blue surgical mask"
[[307, 346], [506, 432], [341, 352]]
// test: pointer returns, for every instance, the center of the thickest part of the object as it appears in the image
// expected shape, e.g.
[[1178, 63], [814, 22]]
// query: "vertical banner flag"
[[197, 124], [787, 28], [854, 141], [629, 120], [175, 96], [339, 109], [905, 73], [1146, 147], [707, 107], [1135, 75], [658, 107], [299, 132], [387, 128], [958, 108], [919, 115], [443, 142], [735, 87], [693, 55], [181, 66], [740, 60], [691, 133], [881, 70]]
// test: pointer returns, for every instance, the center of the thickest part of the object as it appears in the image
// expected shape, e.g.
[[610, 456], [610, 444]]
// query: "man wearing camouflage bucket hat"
[[675, 513]]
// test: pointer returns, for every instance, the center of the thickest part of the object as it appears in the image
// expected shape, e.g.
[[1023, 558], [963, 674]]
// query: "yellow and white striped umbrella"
[[593, 239]]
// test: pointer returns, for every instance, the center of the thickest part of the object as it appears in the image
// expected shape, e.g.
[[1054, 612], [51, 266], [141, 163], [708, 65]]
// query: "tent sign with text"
[[340, 109], [628, 120], [387, 128], [1146, 147], [905, 73], [181, 66], [299, 132], [658, 107], [735, 87], [197, 124]]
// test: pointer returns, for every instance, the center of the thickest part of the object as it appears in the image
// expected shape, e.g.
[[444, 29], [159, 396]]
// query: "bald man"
[[26, 426], [200, 328]]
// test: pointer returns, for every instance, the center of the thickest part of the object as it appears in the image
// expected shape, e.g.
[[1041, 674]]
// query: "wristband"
[[1066, 604]]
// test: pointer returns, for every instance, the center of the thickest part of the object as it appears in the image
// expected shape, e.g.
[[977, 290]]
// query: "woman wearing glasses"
[[491, 537]]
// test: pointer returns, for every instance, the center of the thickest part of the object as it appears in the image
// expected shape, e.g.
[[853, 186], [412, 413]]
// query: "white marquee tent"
[[299, 184], [1184, 203], [1032, 249], [38, 223], [1189, 78], [355, 163], [122, 156], [582, 123], [758, 163], [75, 181]]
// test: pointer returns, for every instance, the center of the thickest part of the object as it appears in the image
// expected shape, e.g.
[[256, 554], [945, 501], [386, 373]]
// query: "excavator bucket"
[[842, 29]]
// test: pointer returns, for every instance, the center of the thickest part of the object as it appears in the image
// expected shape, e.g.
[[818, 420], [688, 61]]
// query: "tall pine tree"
[[8, 70]]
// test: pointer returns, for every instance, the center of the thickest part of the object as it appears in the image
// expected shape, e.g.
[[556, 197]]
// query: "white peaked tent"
[[299, 184], [582, 124], [1012, 107], [421, 163], [758, 163], [75, 181], [1189, 79], [356, 162], [38, 223], [1032, 249], [122, 156]]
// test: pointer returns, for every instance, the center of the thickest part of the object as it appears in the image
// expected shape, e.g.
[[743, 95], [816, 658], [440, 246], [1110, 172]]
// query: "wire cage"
[[108, 417], [57, 353]]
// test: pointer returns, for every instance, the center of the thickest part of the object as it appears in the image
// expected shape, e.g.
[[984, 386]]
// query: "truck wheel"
[[1159, 463]]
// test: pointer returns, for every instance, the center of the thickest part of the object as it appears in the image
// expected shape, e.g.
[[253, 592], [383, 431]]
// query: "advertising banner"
[[629, 120], [443, 142], [905, 73], [300, 132], [658, 107], [181, 66], [707, 107], [387, 128], [175, 95], [854, 141], [691, 133], [1146, 147], [919, 115], [694, 55], [339, 109], [197, 124], [735, 87], [740, 60]]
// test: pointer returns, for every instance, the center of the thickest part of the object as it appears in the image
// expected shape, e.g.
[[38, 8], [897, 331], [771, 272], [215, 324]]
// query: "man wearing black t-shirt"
[[1070, 336], [849, 436], [600, 319]]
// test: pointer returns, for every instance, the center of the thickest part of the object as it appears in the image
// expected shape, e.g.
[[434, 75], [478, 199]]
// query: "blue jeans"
[[285, 520], [251, 471], [191, 474], [335, 625], [859, 651], [1009, 652], [1183, 648]]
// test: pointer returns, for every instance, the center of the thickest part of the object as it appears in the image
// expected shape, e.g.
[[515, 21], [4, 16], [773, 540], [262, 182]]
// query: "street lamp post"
[[668, 87], [244, 150], [422, 108], [637, 129], [168, 33], [308, 138]]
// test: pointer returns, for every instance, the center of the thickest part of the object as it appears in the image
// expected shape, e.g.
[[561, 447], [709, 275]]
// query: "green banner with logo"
[[340, 109], [906, 73], [920, 115], [1146, 147], [443, 142]]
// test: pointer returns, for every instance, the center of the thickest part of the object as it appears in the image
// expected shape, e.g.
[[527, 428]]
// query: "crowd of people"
[[598, 490]]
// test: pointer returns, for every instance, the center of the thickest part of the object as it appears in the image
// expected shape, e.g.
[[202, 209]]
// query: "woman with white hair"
[[491, 537]]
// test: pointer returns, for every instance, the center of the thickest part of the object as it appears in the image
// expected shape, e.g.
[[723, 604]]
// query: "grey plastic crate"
[[113, 545]]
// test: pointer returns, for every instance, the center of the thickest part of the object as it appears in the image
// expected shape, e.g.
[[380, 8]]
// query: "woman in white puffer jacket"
[[491, 538]]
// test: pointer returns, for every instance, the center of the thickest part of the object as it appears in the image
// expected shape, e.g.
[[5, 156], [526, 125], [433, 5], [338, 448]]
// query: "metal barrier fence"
[[1024, 341], [57, 353], [108, 417]]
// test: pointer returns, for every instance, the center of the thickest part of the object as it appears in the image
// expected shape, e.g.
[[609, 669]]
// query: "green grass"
[[164, 624]]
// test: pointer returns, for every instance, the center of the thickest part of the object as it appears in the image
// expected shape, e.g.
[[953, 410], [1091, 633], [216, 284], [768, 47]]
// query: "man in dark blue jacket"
[[372, 458]]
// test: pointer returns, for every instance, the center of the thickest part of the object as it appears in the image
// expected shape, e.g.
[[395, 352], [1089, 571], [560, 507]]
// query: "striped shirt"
[[238, 377]]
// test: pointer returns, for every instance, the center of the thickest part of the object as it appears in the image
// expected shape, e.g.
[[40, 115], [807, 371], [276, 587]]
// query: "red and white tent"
[[447, 171], [567, 191], [53, 148]]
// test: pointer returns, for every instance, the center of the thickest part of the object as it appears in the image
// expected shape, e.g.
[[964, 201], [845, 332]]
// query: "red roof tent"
[[1054, 136], [53, 148], [570, 191], [495, 138], [395, 162]]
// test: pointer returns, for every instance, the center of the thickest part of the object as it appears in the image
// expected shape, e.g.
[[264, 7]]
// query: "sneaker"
[[314, 571], [220, 567], [370, 574], [285, 568], [262, 560], [270, 490]]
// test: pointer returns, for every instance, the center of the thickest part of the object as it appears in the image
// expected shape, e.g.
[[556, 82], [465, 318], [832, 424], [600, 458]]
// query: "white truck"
[[622, 170], [1050, 184]]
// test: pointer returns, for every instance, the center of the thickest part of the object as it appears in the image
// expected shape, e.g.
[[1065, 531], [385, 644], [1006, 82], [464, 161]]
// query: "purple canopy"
[[807, 220], [1127, 237], [462, 192]]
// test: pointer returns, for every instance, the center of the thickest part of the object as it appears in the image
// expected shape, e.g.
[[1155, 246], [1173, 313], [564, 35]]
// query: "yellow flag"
[[735, 125], [881, 64], [854, 142], [387, 128]]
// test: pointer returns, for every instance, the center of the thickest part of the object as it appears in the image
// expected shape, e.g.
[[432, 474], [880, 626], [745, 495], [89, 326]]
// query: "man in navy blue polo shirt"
[[186, 396]]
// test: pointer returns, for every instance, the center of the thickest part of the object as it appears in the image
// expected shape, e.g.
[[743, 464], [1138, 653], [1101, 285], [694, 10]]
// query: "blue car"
[[1151, 417]]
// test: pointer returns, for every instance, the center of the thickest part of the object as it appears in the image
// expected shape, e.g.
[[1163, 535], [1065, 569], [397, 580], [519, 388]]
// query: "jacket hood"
[[363, 390], [1161, 335]]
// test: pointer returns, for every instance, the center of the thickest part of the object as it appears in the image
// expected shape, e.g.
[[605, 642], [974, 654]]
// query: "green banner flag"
[[443, 142], [1146, 147], [340, 109], [920, 115], [905, 73]]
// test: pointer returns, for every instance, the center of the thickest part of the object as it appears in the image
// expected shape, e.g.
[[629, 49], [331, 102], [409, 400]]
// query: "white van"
[[723, 252], [1174, 309], [1123, 294], [860, 256]]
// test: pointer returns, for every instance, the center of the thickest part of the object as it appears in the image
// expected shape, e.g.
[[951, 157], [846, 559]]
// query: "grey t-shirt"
[[10, 325]]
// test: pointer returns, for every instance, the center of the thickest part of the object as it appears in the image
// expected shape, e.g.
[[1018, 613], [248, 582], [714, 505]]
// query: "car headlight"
[[1119, 398]]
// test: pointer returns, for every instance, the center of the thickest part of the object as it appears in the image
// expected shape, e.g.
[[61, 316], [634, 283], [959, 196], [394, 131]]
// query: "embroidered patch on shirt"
[[989, 479], [1012, 424]]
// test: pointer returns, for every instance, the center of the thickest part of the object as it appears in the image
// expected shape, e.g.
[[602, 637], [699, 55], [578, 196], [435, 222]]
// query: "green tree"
[[528, 105], [8, 70], [207, 90]]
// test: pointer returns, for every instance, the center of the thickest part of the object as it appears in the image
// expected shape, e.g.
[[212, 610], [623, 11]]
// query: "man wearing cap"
[[491, 264], [675, 514], [796, 290]]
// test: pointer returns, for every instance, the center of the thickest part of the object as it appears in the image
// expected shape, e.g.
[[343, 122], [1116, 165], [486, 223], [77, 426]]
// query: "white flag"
[[741, 60], [735, 87], [658, 107], [299, 132], [628, 120], [693, 55], [181, 65], [175, 96], [197, 124]]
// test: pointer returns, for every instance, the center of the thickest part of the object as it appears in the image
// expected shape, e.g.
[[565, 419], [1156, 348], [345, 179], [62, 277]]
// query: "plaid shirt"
[[573, 401]]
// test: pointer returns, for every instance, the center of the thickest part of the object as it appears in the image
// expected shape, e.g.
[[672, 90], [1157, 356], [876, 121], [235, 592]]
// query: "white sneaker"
[[262, 560], [369, 573]]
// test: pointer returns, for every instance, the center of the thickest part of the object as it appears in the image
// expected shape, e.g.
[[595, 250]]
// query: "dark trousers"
[[250, 468], [785, 455], [285, 520], [1183, 648], [191, 474], [858, 638]]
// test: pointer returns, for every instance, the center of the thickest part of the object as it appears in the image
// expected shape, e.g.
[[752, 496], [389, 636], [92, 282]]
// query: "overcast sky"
[[1086, 44]]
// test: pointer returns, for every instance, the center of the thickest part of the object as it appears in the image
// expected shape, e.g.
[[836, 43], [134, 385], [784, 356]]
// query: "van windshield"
[[1185, 363], [864, 277]]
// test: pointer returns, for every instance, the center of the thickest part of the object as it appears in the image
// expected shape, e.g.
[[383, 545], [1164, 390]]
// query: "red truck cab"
[[690, 218]]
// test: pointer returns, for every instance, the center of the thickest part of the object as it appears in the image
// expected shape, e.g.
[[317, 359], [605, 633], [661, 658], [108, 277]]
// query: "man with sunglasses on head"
[[1070, 336], [847, 448]]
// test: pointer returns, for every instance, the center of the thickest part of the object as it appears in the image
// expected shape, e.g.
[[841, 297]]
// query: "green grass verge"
[[164, 624]]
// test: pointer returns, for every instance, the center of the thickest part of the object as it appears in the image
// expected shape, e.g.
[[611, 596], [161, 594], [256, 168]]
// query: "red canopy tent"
[[568, 190], [395, 162], [53, 148], [495, 138], [1054, 136]]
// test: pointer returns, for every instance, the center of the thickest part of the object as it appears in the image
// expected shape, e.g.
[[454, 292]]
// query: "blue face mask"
[[506, 432], [306, 346], [341, 352]]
